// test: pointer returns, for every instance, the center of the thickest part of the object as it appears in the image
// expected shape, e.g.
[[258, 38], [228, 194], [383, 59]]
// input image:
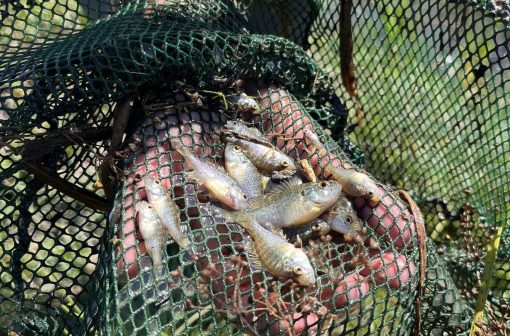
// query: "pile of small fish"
[[265, 194]]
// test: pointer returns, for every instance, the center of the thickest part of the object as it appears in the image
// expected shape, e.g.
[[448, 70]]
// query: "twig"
[[488, 271], [346, 57], [247, 325], [194, 318], [37, 149], [80, 194], [422, 247], [308, 170]]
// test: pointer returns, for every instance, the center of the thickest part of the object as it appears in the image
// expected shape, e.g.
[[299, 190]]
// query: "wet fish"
[[270, 251], [243, 171], [342, 217], [219, 184], [166, 209], [240, 129], [266, 159], [313, 139], [355, 183], [153, 234], [290, 205], [244, 103], [312, 230]]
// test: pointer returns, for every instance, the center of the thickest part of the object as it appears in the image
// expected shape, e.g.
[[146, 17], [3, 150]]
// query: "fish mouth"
[[306, 280]]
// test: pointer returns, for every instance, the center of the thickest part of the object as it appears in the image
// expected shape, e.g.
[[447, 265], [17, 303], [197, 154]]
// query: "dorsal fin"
[[285, 185], [258, 201]]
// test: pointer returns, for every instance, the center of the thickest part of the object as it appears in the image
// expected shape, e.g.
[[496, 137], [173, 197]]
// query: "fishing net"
[[426, 112]]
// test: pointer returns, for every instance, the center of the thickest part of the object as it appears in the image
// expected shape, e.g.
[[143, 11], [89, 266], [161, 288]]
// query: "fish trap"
[[94, 92]]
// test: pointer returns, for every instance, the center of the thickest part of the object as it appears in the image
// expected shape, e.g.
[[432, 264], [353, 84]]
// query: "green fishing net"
[[428, 114]]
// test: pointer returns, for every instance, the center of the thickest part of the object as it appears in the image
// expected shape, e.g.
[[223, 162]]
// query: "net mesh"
[[429, 117]]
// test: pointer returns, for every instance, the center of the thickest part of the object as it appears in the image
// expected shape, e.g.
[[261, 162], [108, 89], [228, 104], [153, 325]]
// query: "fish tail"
[[189, 157], [184, 242], [238, 217], [157, 265], [183, 150]]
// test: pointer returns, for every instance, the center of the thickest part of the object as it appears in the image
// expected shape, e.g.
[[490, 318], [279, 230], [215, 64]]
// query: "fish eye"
[[370, 194], [298, 270], [302, 193], [348, 219], [323, 184], [157, 181], [245, 197], [284, 163], [316, 227], [237, 148], [149, 206]]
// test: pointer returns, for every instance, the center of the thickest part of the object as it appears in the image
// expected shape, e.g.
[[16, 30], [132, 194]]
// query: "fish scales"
[[220, 185], [240, 129], [166, 210], [152, 232], [342, 217], [274, 253], [354, 183], [293, 206], [267, 159], [243, 171]]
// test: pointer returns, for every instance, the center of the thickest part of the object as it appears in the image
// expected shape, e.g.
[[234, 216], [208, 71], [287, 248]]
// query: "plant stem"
[[488, 271]]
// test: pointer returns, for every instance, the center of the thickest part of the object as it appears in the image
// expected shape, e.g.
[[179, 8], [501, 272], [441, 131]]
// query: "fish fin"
[[185, 243], [252, 254], [298, 243], [220, 168], [230, 216], [231, 139], [179, 147], [265, 182], [286, 185], [192, 176], [157, 271], [278, 232], [259, 201]]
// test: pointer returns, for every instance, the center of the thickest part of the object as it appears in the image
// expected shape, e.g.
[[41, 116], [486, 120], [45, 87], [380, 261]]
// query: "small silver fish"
[[271, 252], [219, 184], [290, 205], [153, 234], [313, 139], [244, 103], [243, 171], [166, 209], [342, 217], [355, 183], [240, 129], [312, 230], [266, 159]]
